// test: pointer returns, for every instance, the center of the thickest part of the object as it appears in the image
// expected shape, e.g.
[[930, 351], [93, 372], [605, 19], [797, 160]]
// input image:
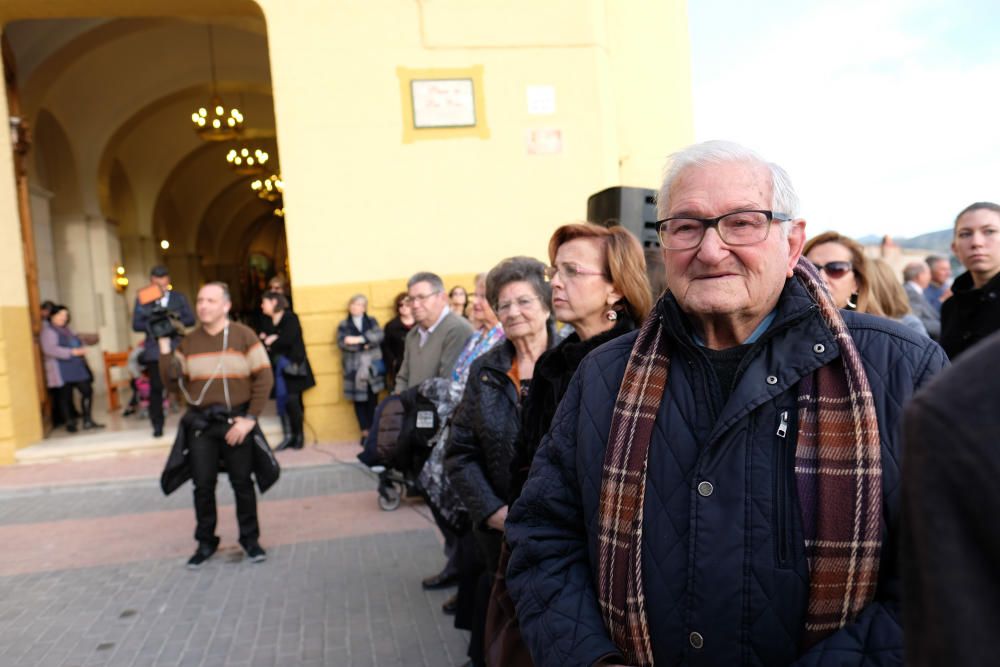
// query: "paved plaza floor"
[[92, 571]]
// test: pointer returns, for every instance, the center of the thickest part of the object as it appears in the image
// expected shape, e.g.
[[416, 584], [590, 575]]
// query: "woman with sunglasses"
[[842, 264], [600, 288]]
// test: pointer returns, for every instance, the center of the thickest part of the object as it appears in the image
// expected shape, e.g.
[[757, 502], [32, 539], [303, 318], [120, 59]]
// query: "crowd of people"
[[711, 474]]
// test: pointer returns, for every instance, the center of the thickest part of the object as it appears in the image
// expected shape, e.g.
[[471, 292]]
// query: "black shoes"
[[254, 552], [90, 424], [157, 431], [203, 553], [439, 581], [450, 606], [291, 442]]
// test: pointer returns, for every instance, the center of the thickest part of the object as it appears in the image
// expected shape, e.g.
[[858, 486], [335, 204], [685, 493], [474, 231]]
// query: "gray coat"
[[922, 308], [437, 356], [354, 357]]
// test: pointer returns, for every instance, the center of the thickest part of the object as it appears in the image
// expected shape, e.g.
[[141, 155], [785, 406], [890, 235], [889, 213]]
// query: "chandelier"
[[269, 189], [247, 162], [216, 122]]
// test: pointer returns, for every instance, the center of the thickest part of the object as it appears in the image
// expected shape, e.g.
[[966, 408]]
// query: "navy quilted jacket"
[[725, 561]]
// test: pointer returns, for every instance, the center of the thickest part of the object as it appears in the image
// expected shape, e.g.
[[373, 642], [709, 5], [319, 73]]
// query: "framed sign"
[[442, 103]]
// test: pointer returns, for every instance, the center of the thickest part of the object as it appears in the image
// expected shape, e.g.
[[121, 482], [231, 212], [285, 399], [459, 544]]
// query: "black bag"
[[295, 369]]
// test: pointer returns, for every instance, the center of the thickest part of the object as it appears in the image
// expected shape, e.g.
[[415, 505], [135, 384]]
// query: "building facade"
[[409, 135]]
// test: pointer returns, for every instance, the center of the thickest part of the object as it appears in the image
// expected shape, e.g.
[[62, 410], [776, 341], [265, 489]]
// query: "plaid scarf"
[[838, 476]]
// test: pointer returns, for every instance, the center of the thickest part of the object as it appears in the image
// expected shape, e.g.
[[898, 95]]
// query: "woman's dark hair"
[[280, 300], [56, 308], [624, 263], [398, 301], [516, 269]]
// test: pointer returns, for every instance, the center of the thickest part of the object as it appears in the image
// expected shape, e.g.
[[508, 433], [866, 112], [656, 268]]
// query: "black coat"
[[392, 348], [483, 430], [290, 344], [178, 305], [178, 468], [951, 501], [731, 566], [970, 315], [552, 374]]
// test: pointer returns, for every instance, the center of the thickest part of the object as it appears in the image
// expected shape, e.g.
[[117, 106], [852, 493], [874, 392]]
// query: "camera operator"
[[225, 376], [155, 315]]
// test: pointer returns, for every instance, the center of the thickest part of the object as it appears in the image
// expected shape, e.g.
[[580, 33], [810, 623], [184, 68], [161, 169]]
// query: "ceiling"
[[110, 103]]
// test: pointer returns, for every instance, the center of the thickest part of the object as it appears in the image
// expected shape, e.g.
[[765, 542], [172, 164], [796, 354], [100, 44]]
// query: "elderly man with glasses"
[[722, 488], [433, 345]]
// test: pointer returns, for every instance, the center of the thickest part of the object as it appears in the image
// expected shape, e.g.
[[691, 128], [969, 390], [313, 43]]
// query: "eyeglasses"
[[835, 269], [523, 303], [569, 271], [736, 228], [419, 298]]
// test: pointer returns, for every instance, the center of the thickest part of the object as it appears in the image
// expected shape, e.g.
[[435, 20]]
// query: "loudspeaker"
[[632, 208]]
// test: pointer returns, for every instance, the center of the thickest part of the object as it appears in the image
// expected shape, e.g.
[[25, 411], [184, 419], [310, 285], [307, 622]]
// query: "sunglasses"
[[835, 269]]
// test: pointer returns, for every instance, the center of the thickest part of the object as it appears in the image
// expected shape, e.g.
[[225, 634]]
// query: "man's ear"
[[796, 242]]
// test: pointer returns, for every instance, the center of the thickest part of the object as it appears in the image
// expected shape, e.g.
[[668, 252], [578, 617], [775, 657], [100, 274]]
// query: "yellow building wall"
[[364, 209]]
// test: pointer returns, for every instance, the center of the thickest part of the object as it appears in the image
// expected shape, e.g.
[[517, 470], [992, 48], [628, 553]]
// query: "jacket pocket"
[[783, 452]]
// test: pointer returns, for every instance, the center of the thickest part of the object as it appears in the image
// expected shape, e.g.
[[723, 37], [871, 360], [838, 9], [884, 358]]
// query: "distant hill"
[[939, 241]]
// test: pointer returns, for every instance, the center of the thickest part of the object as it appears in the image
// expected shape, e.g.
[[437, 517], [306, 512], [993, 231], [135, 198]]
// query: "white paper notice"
[[541, 100], [443, 103]]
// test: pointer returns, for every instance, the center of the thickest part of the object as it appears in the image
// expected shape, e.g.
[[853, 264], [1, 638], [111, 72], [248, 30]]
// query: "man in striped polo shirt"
[[225, 376]]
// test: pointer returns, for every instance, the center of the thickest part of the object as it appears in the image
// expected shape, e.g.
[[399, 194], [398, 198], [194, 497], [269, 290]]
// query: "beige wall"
[[365, 210]]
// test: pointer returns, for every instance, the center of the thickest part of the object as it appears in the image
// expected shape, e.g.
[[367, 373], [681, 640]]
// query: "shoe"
[[439, 581], [203, 553], [254, 552], [71, 427], [450, 606], [157, 431], [91, 424]]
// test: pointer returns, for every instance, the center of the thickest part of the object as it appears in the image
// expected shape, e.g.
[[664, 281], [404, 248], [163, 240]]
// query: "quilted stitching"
[[553, 526]]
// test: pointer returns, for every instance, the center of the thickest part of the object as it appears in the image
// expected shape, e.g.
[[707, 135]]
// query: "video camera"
[[162, 322]]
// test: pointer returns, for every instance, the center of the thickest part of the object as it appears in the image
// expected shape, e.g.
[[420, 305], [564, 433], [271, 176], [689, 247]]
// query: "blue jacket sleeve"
[[140, 318], [550, 574], [184, 311]]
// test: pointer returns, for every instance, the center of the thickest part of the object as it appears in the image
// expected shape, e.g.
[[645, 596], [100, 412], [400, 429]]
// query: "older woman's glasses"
[[523, 303], [569, 271], [835, 269], [736, 228]]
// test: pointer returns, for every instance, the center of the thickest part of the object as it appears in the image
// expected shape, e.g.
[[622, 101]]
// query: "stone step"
[[106, 442]]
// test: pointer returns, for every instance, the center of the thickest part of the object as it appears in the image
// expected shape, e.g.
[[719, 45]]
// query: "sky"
[[886, 114]]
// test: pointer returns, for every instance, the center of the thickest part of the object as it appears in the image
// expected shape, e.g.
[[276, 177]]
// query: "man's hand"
[[238, 432], [355, 340], [497, 519], [164, 344]]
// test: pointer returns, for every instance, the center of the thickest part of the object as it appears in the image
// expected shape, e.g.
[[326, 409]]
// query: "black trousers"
[[64, 397], [365, 410], [207, 447], [155, 394]]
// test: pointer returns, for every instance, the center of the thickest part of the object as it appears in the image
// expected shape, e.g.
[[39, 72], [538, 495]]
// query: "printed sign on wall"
[[442, 103]]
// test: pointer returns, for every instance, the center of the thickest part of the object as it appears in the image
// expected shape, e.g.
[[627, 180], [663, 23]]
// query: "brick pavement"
[[92, 573]]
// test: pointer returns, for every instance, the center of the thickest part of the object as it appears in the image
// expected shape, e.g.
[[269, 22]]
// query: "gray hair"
[[931, 260], [358, 297], [914, 270], [426, 277], [221, 285], [515, 269], [708, 153]]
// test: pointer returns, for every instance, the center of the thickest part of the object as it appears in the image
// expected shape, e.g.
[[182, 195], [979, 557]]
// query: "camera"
[[162, 323]]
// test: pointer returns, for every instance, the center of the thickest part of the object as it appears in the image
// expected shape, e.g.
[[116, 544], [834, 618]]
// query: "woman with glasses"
[[359, 337], [486, 422], [842, 264], [395, 337], [600, 288]]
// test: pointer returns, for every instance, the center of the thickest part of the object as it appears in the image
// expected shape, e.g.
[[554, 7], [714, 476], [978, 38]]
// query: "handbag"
[[296, 369]]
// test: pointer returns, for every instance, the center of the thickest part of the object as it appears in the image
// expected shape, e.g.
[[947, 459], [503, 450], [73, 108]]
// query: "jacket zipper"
[[781, 538]]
